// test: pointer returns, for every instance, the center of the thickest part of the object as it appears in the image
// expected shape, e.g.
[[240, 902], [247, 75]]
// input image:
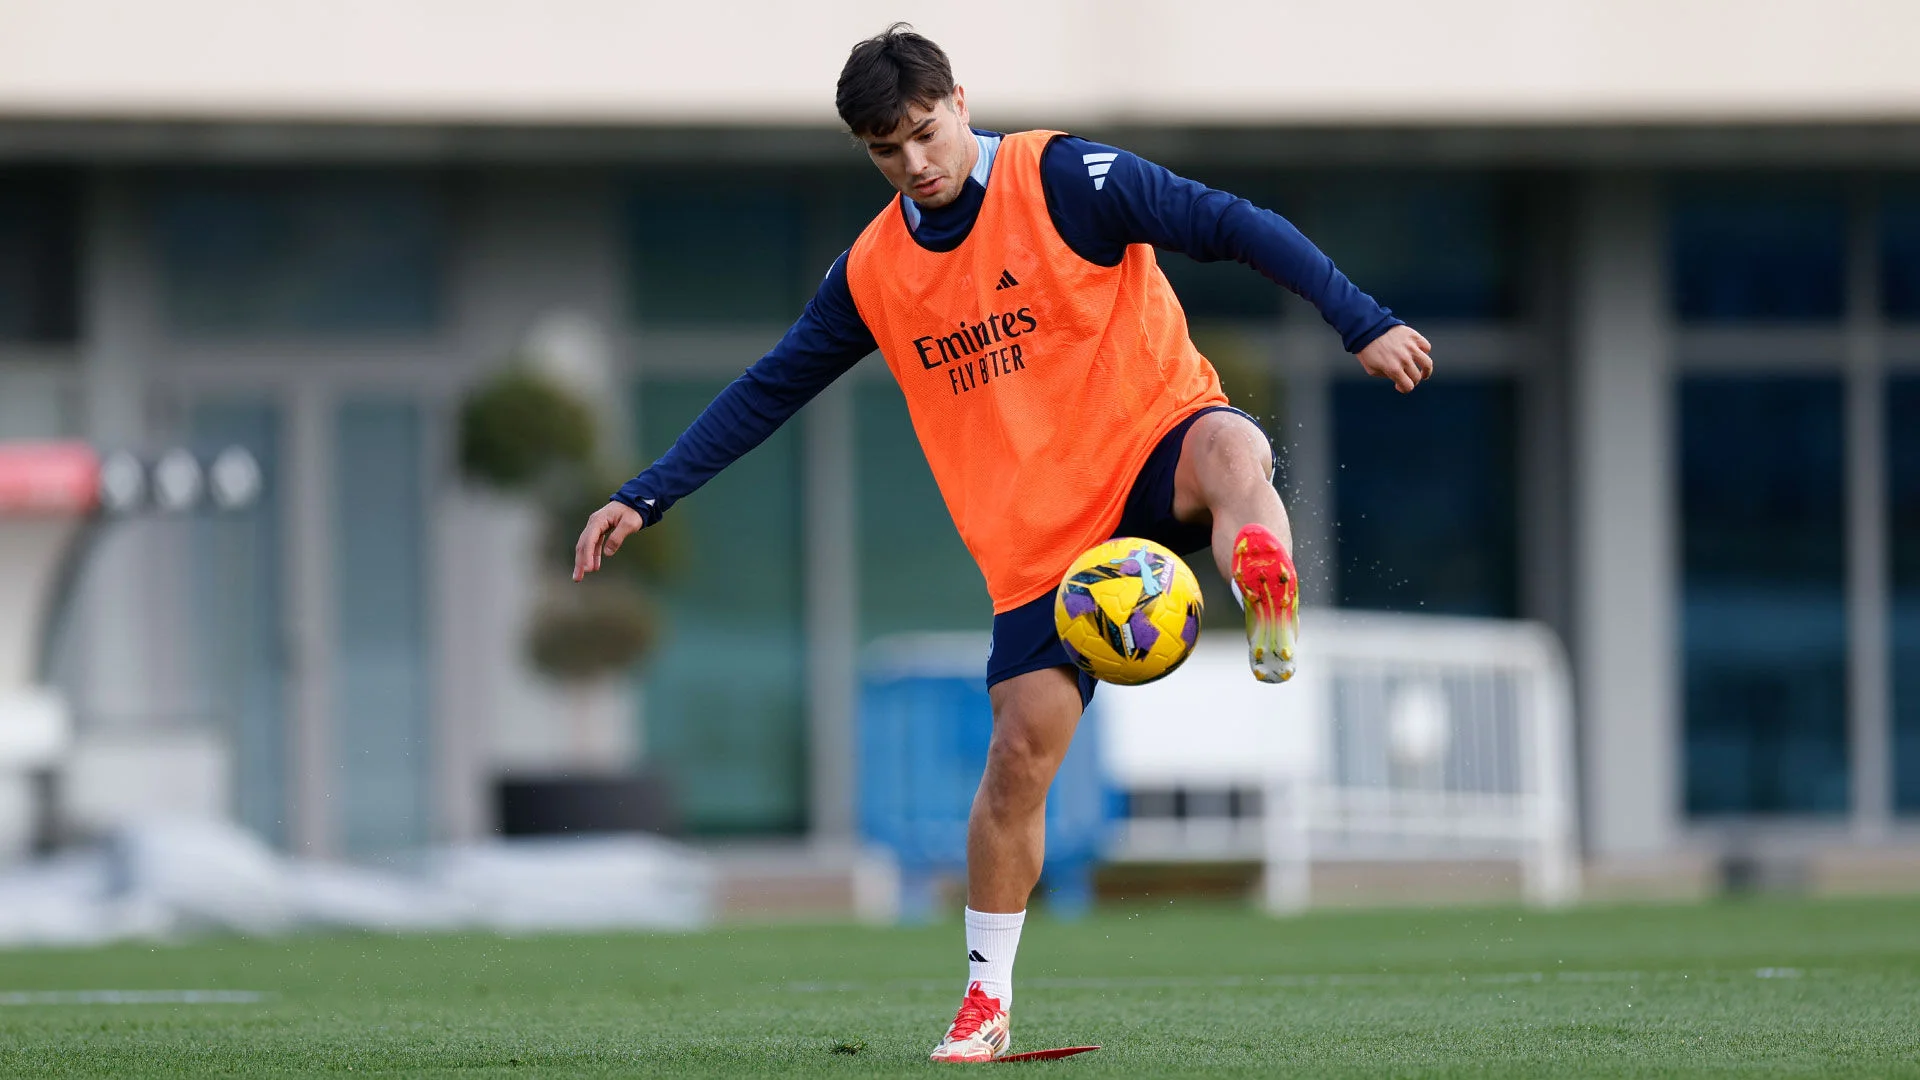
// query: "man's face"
[[928, 155]]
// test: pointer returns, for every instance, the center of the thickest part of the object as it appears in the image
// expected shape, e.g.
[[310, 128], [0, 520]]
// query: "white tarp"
[[170, 879]]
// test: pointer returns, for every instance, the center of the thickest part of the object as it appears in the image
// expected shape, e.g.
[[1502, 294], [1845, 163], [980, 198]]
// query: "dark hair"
[[886, 75]]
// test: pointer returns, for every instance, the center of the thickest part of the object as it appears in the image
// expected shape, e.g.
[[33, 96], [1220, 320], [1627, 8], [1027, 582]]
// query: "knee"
[[1034, 716], [1021, 761], [1235, 453]]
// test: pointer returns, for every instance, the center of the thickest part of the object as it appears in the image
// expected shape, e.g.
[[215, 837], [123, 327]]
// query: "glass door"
[[310, 613], [238, 600], [381, 724]]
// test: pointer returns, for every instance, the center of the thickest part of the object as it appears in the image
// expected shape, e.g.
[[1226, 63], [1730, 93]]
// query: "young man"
[[1012, 290]]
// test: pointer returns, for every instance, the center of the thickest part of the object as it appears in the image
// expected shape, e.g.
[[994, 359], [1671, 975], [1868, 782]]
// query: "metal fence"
[[1404, 738]]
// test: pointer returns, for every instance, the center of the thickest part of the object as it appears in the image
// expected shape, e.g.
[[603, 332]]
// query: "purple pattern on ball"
[[1191, 632], [1144, 632], [1079, 603]]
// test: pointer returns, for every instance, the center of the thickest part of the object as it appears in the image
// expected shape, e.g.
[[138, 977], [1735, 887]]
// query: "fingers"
[[1403, 357], [617, 534], [1415, 373], [1397, 370], [606, 530], [1415, 362], [586, 550], [1423, 357]]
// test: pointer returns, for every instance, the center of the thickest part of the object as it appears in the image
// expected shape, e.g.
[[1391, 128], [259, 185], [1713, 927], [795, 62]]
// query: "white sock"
[[992, 941]]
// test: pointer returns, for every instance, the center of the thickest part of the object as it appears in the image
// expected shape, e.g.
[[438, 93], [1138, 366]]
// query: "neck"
[[973, 152]]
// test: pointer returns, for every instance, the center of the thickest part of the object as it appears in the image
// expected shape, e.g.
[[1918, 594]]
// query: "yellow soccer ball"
[[1128, 611]]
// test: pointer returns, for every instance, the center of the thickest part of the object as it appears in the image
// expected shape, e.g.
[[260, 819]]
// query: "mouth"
[[927, 187]]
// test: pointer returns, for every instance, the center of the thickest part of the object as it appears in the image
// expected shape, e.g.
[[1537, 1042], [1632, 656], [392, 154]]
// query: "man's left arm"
[[1102, 199]]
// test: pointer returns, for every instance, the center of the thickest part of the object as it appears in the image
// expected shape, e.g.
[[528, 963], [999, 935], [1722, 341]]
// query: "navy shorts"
[[1024, 639]]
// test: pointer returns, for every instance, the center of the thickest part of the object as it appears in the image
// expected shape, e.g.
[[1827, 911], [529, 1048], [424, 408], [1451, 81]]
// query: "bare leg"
[[1226, 476], [1034, 717]]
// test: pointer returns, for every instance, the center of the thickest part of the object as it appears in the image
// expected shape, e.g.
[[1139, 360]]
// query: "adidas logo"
[[974, 955], [1006, 281], [1097, 166]]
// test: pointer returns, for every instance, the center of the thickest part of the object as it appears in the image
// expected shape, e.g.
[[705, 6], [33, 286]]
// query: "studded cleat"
[[1269, 588], [981, 1032]]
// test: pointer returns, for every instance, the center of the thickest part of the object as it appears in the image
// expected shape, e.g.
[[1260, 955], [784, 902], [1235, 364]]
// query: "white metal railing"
[[1403, 738]]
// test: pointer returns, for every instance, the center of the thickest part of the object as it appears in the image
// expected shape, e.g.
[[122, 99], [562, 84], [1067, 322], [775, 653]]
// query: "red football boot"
[[1269, 588]]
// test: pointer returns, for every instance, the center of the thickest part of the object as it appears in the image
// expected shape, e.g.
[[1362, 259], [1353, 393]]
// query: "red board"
[[1048, 1055], [48, 478]]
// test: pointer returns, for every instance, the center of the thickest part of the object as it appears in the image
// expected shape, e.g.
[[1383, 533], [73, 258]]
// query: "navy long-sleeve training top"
[[1098, 213]]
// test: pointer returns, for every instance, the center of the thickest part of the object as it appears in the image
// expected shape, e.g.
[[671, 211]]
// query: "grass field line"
[[1362, 979], [133, 997]]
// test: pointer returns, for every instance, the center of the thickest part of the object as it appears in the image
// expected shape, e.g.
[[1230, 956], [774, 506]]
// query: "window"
[[239, 615], [915, 574], [39, 257], [725, 691], [1744, 250], [1425, 496], [839, 206], [1427, 245], [264, 252], [1900, 250], [1903, 476], [708, 249], [1763, 595], [1438, 245], [382, 725]]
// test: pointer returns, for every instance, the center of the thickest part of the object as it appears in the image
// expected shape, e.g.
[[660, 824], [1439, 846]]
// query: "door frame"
[[308, 387]]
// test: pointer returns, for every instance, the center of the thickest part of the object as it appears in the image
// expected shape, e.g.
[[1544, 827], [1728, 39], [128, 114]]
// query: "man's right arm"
[[829, 338]]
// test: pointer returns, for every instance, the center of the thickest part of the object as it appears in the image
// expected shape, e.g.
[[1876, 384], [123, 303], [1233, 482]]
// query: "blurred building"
[[1668, 253]]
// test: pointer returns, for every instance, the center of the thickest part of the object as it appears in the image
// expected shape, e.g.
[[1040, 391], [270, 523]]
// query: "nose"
[[916, 158]]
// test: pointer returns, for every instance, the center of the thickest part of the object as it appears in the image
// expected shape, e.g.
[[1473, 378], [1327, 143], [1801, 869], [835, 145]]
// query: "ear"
[[960, 105]]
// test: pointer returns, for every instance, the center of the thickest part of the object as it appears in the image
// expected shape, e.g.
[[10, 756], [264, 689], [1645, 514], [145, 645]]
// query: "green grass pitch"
[[1763, 988]]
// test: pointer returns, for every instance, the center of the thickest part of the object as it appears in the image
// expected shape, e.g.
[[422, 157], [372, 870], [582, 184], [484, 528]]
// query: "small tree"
[[523, 432]]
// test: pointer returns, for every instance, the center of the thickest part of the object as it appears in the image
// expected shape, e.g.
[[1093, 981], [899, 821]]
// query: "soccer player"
[[1012, 290]]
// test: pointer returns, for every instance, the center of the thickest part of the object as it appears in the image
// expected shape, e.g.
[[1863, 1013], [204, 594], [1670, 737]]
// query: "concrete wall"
[[1075, 62]]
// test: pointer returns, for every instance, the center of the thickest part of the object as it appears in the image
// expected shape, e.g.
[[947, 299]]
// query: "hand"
[[1400, 354], [606, 530]]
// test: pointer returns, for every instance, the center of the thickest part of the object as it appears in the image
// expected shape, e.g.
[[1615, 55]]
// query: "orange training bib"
[[1037, 381]]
